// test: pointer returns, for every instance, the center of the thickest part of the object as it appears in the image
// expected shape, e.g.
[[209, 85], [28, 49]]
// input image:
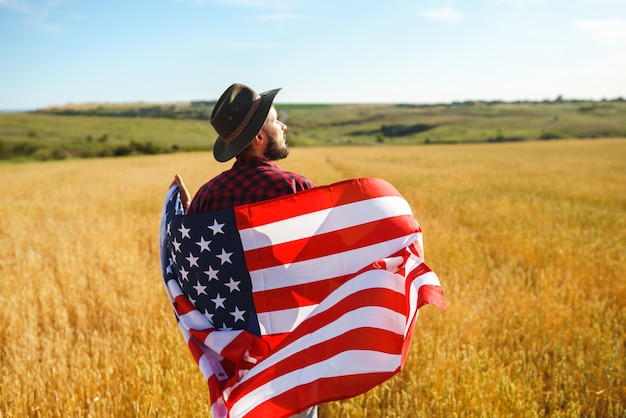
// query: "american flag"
[[299, 300]]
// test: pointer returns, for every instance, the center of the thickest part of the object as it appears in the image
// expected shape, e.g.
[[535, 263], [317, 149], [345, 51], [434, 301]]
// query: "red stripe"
[[359, 339], [201, 335], [298, 295], [195, 349], [308, 293], [312, 200], [320, 391], [368, 297], [216, 388], [245, 344], [426, 294], [383, 298], [182, 305], [273, 340], [431, 294], [329, 243]]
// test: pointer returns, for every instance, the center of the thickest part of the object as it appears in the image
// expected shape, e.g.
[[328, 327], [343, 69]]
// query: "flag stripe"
[[337, 313], [353, 301], [325, 243], [324, 267], [335, 366], [322, 390], [331, 332], [325, 221], [314, 292], [280, 321], [329, 340], [302, 294], [312, 200]]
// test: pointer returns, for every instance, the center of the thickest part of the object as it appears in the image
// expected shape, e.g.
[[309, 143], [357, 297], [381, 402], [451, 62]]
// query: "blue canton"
[[207, 259]]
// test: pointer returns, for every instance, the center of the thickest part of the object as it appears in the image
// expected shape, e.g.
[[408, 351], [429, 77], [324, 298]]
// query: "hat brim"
[[224, 152]]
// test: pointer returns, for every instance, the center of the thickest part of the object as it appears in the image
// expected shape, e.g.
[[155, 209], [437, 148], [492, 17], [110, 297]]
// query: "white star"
[[184, 231], [169, 228], [238, 315], [204, 245], [216, 228], [176, 244], [209, 316], [232, 285], [211, 273], [225, 257], [200, 289], [219, 301], [193, 261], [225, 328], [184, 273]]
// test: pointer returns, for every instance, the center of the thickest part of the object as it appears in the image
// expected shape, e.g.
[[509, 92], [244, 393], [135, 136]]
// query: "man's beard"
[[275, 152]]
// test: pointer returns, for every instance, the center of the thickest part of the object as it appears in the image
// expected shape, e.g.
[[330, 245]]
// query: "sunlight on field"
[[527, 239]]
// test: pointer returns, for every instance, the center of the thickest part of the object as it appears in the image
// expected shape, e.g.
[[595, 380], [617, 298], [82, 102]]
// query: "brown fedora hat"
[[237, 117]]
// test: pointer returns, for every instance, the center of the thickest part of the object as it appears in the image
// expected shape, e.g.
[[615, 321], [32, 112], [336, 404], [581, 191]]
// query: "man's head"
[[271, 138], [239, 116]]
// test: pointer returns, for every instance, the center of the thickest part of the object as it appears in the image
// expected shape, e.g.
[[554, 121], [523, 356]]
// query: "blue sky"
[[54, 52]]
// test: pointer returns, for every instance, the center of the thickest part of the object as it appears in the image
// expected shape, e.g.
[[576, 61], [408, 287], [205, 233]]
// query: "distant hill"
[[103, 130], [187, 110]]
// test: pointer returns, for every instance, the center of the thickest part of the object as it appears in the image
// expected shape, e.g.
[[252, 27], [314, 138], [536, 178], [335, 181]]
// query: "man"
[[249, 130]]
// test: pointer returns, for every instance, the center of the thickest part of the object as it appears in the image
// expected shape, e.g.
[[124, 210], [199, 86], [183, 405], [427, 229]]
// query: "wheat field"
[[528, 240]]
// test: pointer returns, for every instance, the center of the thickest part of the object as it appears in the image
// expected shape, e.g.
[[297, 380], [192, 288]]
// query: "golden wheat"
[[527, 239]]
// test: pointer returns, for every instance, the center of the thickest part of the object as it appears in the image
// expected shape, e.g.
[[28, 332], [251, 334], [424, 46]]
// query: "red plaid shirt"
[[251, 179]]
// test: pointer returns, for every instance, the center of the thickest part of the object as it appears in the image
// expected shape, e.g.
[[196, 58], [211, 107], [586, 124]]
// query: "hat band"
[[230, 138]]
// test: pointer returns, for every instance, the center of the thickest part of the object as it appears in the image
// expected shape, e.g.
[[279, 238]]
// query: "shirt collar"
[[252, 161]]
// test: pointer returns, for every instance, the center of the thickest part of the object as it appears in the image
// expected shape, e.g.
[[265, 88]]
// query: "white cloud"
[[254, 4], [17, 5], [243, 45], [280, 16], [42, 15], [606, 32], [446, 15], [521, 3]]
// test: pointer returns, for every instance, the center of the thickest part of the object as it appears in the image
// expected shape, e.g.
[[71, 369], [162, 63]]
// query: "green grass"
[[42, 136], [85, 136], [459, 124]]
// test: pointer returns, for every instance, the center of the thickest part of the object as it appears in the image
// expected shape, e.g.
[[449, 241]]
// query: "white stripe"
[[209, 361], [209, 364], [276, 322], [368, 316], [215, 341], [323, 221], [195, 320], [205, 367], [322, 268], [218, 340], [367, 361], [218, 409], [429, 278], [174, 289]]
